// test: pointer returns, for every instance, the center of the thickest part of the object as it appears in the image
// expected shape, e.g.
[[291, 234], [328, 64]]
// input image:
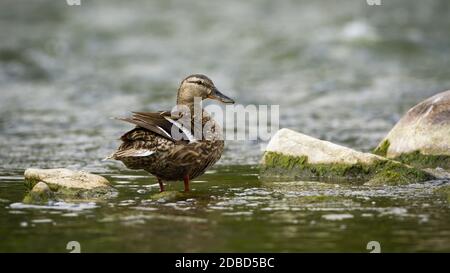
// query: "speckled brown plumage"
[[152, 147], [171, 160]]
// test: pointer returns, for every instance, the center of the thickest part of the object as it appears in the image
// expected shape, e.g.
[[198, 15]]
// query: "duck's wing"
[[161, 123], [141, 142]]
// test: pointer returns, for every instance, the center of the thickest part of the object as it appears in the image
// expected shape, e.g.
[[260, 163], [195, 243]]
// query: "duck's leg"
[[186, 183], [161, 185]]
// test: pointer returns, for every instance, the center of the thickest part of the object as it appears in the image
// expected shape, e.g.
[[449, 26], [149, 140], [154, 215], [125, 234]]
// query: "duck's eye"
[[199, 82]]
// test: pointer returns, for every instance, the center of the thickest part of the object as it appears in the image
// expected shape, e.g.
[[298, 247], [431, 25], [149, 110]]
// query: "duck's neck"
[[195, 114], [195, 107], [198, 118]]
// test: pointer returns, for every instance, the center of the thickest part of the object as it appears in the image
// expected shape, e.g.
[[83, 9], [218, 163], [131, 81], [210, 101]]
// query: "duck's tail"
[[110, 157], [129, 153]]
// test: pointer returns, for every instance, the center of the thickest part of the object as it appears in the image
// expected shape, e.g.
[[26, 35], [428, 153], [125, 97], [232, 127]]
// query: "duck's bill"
[[217, 95]]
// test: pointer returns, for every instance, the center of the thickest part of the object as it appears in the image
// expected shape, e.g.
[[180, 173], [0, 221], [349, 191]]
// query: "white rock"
[[289, 142], [66, 178], [41, 187], [424, 128], [294, 156]]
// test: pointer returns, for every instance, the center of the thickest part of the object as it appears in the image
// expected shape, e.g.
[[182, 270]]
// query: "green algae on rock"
[[444, 191], [40, 193], [170, 196], [291, 155], [382, 148], [65, 183], [422, 137], [421, 160]]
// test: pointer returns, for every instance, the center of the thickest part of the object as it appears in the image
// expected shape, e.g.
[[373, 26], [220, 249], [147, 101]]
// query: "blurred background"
[[340, 70]]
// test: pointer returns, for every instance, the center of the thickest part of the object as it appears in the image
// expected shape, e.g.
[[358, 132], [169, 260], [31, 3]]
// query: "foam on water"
[[55, 206]]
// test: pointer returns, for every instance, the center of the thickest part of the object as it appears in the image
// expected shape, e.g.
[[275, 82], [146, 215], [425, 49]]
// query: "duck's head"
[[199, 86]]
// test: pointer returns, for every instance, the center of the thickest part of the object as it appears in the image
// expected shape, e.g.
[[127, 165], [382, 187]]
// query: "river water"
[[341, 71]]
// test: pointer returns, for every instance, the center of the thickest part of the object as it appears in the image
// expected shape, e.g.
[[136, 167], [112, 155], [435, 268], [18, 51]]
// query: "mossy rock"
[[382, 148], [294, 156], [421, 137], [415, 158], [395, 173], [444, 191], [420, 160], [379, 172], [66, 183], [41, 193], [170, 196]]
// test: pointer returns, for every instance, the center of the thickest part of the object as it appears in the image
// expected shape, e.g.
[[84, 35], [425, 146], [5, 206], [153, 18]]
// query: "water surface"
[[340, 71], [230, 210]]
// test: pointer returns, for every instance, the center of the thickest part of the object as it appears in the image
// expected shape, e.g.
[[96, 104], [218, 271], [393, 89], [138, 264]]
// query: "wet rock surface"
[[40, 193], [64, 183], [291, 155], [422, 136], [444, 191]]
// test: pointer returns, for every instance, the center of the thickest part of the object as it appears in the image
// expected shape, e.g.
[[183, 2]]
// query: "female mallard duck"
[[168, 148]]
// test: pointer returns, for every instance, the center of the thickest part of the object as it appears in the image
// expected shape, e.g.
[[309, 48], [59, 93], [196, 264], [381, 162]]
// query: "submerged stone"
[[444, 191], [439, 173], [169, 196], [422, 137], [68, 183], [166, 196], [292, 156], [40, 193]]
